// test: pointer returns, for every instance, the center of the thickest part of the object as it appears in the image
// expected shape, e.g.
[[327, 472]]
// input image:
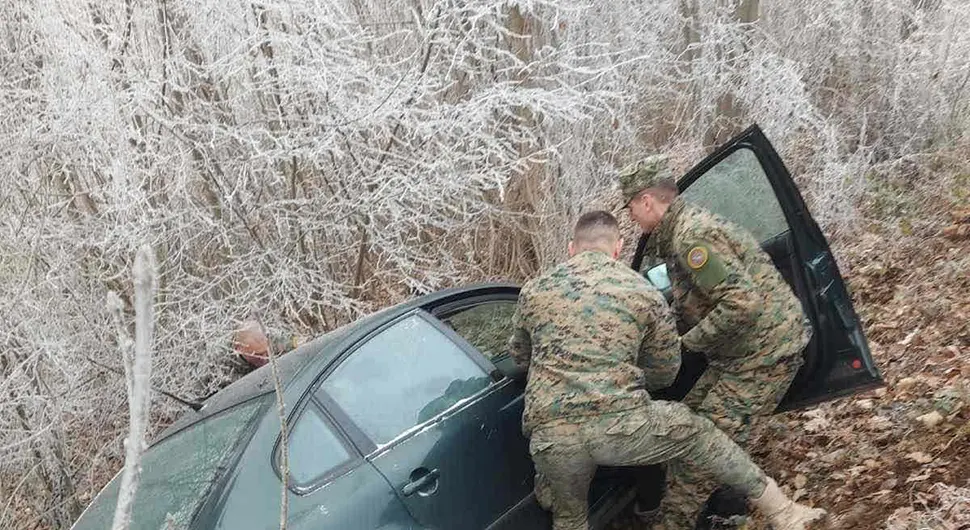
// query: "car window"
[[177, 472], [738, 189], [486, 326], [402, 377], [314, 448]]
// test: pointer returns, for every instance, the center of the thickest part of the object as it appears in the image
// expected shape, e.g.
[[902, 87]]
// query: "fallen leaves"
[[817, 421], [868, 456], [905, 383], [960, 228], [919, 457], [931, 419], [880, 423], [909, 338]]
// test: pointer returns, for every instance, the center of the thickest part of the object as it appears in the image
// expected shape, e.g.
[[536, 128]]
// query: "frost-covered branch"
[[144, 280]]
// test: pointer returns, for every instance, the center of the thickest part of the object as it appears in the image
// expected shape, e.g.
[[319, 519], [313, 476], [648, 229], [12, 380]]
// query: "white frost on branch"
[[144, 280]]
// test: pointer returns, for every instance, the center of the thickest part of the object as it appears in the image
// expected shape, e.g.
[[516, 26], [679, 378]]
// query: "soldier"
[[738, 310], [595, 337]]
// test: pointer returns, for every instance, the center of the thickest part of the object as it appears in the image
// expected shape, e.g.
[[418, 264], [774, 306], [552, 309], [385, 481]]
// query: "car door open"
[[746, 182]]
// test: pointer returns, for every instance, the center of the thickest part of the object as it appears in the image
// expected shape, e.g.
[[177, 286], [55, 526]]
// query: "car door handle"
[[421, 478]]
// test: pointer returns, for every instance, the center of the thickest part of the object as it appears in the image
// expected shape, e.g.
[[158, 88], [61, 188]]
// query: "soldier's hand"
[[251, 343]]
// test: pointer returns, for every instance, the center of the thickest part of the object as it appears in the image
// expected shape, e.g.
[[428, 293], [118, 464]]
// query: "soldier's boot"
[[784, 513]]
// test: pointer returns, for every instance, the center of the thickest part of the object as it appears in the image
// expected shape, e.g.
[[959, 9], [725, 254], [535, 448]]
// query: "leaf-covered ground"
[[896, 456]]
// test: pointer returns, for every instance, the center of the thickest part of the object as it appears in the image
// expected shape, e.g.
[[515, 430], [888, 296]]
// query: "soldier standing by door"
[[736, 307]]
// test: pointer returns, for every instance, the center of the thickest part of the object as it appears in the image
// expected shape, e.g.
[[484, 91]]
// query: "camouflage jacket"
[[595, 336], [739, 310]]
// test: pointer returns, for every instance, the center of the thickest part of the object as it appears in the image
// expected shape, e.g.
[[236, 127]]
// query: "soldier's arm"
[[720, 275], [659, 355], [520, 343]]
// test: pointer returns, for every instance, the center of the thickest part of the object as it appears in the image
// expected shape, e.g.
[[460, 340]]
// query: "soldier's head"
[[597, 231], [648, 187]]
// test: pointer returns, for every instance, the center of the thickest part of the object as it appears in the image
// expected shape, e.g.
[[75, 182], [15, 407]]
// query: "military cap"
[[643, 174]]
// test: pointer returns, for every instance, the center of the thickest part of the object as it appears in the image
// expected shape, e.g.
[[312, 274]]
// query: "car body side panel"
[[358, 500], [481, 458]]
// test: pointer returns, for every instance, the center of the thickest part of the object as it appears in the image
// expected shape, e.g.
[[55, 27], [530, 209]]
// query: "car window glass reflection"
[[487, 327], [314, 447], [387, 385], [658, 277], [738, 190]]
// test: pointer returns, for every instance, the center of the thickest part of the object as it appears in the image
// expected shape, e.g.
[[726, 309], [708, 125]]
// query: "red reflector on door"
[[857, 364]]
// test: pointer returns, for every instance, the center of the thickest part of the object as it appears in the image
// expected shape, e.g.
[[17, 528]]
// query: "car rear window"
[[178, 472]]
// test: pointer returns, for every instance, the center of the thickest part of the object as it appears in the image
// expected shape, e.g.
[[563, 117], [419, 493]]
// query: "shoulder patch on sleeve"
[[697, 257], [704, 265]]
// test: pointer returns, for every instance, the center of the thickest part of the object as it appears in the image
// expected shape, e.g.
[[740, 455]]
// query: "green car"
[[410, 418]]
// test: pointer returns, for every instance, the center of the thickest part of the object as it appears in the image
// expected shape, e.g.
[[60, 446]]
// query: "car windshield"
[[177, 472]]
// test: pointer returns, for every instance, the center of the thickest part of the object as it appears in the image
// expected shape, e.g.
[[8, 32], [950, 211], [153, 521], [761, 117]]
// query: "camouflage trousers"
[[731, 401], [566, 454]]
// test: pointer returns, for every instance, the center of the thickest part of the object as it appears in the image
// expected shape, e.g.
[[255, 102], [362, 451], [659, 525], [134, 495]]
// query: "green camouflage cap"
[[643, 174]]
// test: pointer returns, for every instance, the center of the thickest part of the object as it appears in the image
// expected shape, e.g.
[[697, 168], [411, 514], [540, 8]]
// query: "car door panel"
[[455, 455], [476, 453], [255, 504], [837, 360], [250, 498], [358, 500]]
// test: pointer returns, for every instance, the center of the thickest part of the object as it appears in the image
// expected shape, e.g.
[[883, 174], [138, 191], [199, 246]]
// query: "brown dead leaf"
[[907, 382], [957, 232], [919, 457], [918, 477], [880, 423], [909, 338], [931, 419]]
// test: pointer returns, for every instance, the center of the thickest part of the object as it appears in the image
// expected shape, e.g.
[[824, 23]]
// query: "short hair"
[[596, 227], [664, 189]]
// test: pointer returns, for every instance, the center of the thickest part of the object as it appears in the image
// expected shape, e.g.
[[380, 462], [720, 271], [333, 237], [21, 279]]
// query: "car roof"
[[323, 350]]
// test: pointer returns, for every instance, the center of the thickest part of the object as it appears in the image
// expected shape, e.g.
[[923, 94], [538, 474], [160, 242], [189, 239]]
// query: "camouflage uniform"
[[740, 313], [596, 337]]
